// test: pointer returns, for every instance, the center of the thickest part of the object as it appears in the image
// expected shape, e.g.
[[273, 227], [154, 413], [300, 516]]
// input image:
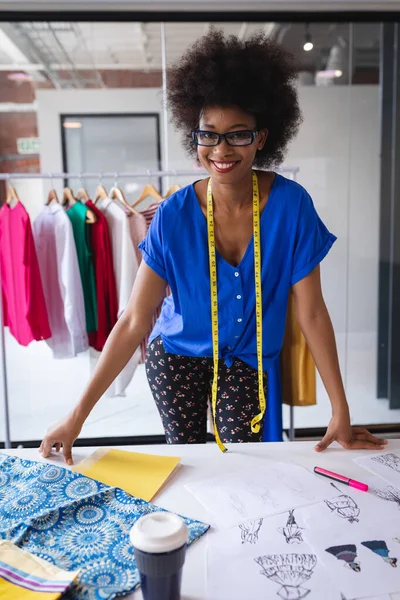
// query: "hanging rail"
[[120, 175]]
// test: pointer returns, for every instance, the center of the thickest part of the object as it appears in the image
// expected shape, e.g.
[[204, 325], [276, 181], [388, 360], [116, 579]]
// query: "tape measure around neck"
[[255, 423]]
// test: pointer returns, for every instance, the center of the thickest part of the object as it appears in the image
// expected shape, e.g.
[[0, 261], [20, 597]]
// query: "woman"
[[236, 104]]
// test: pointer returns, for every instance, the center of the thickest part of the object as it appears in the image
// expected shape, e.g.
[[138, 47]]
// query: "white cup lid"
[[159, 532]]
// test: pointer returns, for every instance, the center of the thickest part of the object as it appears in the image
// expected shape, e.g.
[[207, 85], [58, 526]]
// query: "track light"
[[308, 45]]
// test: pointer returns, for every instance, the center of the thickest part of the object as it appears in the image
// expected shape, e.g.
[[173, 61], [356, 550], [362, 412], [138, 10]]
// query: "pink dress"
[[24, 307]]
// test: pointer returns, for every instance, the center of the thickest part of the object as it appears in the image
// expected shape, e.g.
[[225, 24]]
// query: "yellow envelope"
[[141, 475]]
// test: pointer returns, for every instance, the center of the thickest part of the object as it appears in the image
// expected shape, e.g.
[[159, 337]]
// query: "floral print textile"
[[75, 523]]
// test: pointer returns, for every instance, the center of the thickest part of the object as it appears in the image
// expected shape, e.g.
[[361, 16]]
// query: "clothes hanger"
[[172, 189], [117, 194], [82, 193], [148, 190], [12, 195], [68, 197], [101, 192], [52, 195]]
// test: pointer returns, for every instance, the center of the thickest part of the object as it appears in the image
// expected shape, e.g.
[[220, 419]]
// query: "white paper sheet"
[[261, 492], [350, 509], [366, 561], [266, 558], [384, 464], [384, 597]]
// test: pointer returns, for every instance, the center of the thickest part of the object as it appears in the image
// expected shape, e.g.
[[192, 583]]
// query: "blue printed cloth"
[[75, 523]]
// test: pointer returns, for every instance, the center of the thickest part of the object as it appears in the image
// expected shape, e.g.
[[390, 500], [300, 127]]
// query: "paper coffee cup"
[[159, 540]]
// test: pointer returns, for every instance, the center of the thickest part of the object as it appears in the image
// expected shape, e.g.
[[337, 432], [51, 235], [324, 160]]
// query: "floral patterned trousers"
[[181, 387]]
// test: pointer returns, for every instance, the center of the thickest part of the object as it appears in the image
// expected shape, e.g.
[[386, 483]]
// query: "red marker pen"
[[351, 482]]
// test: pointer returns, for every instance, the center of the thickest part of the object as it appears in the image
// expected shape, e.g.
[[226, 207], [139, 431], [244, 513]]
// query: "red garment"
[[106, 288], [24, 307]]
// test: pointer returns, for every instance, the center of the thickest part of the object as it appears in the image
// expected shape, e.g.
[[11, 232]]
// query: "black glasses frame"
[[222, 136]]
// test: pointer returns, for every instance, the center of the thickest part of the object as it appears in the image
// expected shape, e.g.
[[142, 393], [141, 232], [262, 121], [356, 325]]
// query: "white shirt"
[[125, 268], [62, 286]]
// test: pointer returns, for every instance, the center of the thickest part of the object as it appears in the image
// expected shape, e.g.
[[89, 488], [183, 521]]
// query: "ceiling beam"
[[14, 52]]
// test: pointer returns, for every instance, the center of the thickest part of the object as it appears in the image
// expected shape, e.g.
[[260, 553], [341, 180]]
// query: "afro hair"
[[256, 75]]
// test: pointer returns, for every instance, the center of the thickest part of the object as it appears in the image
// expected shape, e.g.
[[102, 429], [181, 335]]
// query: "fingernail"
[[69, 461]]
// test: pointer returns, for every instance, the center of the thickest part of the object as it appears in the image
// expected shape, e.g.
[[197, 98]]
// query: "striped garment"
[[24, 576]]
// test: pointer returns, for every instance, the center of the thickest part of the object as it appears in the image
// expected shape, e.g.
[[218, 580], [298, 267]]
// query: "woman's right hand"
[[62, 435]]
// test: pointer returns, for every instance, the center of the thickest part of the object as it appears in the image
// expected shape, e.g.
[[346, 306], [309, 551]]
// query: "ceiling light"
[[72, 124], [330, 73], [19, 76], [308, 45]]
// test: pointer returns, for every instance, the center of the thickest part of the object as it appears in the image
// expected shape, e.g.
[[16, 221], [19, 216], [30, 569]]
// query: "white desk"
[[202, 461]]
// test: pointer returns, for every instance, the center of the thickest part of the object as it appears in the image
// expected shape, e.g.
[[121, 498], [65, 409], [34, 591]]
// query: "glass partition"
[[101, 111]]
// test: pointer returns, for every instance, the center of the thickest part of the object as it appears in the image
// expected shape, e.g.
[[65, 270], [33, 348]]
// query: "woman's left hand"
[[351, 438]]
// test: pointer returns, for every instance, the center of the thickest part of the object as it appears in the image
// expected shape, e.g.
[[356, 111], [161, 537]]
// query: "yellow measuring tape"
[[255, 423]]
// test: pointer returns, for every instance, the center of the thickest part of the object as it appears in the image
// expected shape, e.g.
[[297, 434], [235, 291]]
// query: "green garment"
[[77, 216]]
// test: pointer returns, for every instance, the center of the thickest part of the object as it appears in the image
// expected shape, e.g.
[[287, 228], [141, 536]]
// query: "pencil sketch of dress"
[[389, 493], [238, 504], [263, 493], [295, 486], [344, 506], [250, 530], [290, 571], [380, 548], [291, 531], [389, 460]]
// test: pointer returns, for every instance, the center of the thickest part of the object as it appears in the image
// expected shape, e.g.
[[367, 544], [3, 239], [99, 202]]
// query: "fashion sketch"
[[291, 531], [238, 504], [380, 548], [344, 506], [389, 460], [389, 493], [347, 553], [263, 493], [250, 530], [290, 571]]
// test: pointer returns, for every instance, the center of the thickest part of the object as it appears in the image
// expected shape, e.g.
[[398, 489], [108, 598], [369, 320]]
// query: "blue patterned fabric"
[[75, 523]]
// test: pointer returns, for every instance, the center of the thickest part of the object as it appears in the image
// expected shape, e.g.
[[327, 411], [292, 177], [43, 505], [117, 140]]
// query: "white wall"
[[337, 151], [54, 103]]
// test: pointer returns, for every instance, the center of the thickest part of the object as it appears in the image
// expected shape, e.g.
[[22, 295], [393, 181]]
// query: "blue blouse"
[[294, 241]]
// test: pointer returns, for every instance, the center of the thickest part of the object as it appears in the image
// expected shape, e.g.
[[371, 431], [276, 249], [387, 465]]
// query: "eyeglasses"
[[244, 137]]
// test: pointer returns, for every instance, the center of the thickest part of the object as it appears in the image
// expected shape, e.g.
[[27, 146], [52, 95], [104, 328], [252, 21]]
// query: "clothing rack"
[[122, 174], [7, 177]]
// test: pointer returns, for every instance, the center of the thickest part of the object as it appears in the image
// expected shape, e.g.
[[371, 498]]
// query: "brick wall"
[[17, 125]]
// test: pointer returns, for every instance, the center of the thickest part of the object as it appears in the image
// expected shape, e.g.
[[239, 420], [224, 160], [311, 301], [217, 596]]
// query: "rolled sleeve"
[[152, 246], [313, 241]]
